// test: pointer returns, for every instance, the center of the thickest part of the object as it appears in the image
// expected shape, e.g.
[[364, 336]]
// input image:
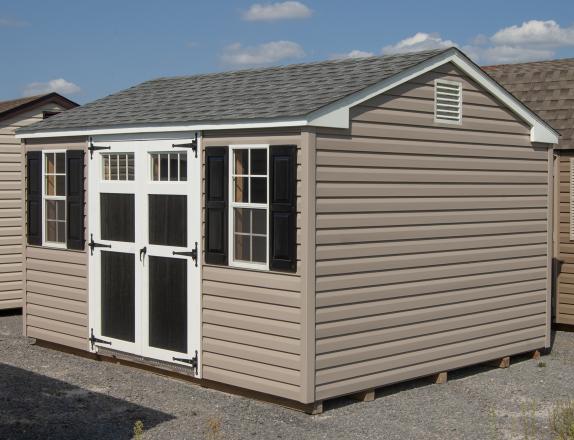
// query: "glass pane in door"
[[168, 303], [118, 295]]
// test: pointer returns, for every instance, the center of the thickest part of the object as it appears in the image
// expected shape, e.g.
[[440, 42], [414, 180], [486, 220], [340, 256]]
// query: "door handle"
[[192, 254], [143, 251]]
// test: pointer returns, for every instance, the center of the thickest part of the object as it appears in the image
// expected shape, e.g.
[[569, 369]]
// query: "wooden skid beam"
[[441, 377], [502, 362], [536, 355], [364, 396]]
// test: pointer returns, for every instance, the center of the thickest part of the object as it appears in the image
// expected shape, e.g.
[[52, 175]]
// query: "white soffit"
[[336, 114]]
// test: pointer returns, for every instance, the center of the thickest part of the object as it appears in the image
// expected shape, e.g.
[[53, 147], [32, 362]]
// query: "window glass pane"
[[51, 210], [242, 220], [241, 247], [60, 210], [241, 160], [173, 167], [106, 167], [51, 230], [50, 189], [258, 161], [259, 221], [61, 232], [61, 163], [131, 166], [155, 167], [259, 249], [60, 185], [163, 166], [241, 191], [183, 166], [114, 167], [123, 163], [258, 190], [50, 165]]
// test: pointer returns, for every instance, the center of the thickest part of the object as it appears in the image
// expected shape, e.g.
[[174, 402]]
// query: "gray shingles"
[[277, 92]]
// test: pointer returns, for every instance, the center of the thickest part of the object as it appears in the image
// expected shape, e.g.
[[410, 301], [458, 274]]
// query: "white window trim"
[[233, 204], [150, 167], [437, 120], [102, 167], [45, 242]]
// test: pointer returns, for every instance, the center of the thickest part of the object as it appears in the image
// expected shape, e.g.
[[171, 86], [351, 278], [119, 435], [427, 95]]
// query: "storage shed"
[[547, 87], [14, 114], [304, 232]]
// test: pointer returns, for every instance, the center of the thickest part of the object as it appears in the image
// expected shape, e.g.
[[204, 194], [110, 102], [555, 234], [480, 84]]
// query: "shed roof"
[[14, 106], [547, 87], [268, 93]]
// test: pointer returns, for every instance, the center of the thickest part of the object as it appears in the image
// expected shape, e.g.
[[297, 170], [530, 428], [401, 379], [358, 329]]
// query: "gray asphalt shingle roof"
[[276, 92]]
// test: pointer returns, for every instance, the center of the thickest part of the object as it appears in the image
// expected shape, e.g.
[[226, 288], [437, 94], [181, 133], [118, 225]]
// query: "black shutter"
[[216, 171], [282, 207], [75, 199], [34, 197]]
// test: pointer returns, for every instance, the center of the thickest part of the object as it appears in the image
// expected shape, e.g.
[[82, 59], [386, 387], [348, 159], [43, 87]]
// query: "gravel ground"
[[47, 394]]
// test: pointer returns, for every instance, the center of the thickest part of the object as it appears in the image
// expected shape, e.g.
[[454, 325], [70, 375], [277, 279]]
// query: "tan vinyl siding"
[[565, 246], [432, 239], [57, 281], [11, 212], [252, 320]]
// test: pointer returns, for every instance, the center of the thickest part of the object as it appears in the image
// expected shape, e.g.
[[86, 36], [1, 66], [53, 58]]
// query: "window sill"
[[251, 269]]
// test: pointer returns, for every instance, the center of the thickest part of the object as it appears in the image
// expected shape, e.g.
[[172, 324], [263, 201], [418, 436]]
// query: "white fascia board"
[[297, 122], [336, 115]]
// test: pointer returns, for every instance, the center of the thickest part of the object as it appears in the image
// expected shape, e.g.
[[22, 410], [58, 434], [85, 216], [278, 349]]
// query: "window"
[[55, 197], [448, 101], [118, 166], [169, 167], [249, 205]]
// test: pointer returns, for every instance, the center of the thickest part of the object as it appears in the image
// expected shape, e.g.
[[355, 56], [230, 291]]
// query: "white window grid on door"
[[118, 166], [249, 205], [53, 197], [156, 165]]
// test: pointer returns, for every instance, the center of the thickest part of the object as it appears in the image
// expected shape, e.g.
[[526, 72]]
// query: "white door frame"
[[141, 186]]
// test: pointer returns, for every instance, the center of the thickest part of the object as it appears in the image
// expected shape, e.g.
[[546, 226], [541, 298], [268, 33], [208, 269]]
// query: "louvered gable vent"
[[448, 101]]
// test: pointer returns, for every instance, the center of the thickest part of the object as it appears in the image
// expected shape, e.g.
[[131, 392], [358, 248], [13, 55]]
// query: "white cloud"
[[419, 41], [59, 85], [267, 53], [277, 11], [353, 54], [535, 32], [11, 23], [507, 54]]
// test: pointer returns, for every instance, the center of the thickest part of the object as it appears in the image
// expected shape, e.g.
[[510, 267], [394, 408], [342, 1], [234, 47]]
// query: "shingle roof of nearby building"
[[547, 87], [268, 93], [9, 108]]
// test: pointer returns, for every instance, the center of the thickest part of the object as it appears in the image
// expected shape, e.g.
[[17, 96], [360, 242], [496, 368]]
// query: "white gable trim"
[[336, 114]]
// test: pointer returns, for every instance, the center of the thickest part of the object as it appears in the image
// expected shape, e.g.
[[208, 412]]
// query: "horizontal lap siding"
[[565, 251], [431, 239], [57, 284], [251, 320], [11, 211]]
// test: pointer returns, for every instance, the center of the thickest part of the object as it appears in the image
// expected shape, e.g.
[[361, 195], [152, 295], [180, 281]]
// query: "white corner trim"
[[336, 114]]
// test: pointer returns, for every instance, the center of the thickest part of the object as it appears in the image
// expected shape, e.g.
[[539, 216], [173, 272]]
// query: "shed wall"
[[11, 248], [432, 239], [565, 247], [252, 320], [57, 279]]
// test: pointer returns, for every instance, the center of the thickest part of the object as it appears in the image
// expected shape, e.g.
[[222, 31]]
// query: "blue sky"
[[87, 50]]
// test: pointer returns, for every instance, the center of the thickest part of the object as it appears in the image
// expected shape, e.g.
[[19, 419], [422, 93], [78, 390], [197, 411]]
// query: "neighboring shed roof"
[[547, 87], [14, 106], [269, 93]]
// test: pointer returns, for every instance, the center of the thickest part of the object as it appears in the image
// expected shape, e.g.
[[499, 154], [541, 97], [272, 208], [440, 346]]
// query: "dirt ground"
[[46, 394]]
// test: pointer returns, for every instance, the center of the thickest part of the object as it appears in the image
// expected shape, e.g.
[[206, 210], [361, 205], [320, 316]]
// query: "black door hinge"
[[192, 254], [193, 361], [93, 148], [92, 244], [93, 340], [192, 145]]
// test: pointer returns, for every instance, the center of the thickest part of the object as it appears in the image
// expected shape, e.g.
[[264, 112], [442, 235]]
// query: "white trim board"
[[336, 114]]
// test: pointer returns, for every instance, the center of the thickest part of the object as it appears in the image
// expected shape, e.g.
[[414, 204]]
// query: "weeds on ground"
[[138, 430], [493, 424], [562, 420], [528, 419], [214, 429], [541, 364]]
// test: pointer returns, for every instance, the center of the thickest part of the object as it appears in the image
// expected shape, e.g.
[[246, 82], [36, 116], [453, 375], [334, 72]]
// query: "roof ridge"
[[296, 65]]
